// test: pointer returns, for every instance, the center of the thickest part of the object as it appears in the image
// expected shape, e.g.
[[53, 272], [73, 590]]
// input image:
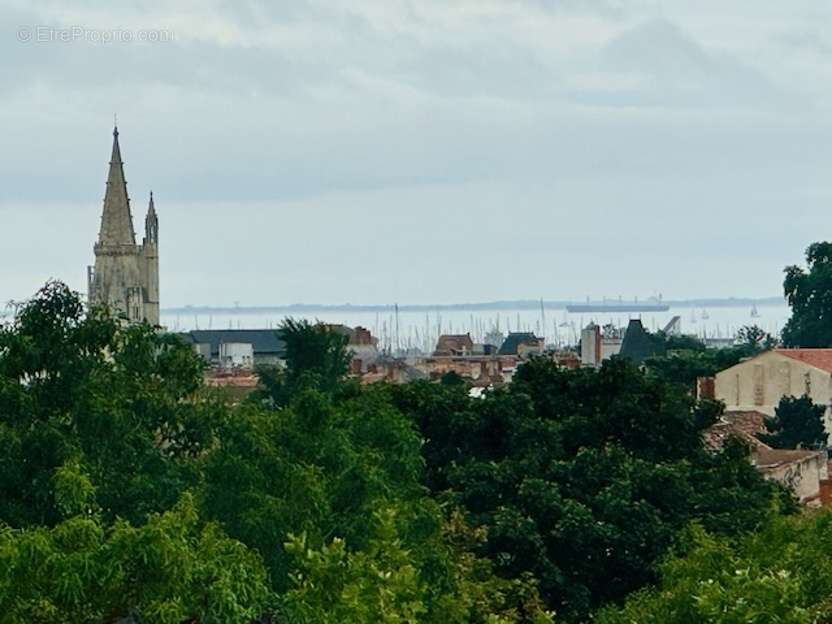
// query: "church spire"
[[151, 223], [116, 220]]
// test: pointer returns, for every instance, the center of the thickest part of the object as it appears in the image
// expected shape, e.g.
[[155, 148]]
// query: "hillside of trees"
[[129, 490]]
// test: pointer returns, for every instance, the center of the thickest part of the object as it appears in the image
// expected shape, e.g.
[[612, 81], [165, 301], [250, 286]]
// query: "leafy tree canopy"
[[334, 585], [315, 355], [104, 427], [687, 358], [83, 391], [343, 474], [797, 423], [755, 339], [170, 570], [774, 575], [128, 488], [584, 478], [809, 293]]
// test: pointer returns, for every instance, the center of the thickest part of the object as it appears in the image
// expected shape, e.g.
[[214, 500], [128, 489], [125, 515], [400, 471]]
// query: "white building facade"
[[761, 382]]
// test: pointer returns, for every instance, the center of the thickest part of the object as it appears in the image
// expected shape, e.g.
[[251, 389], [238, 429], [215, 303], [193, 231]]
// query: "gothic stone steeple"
[[126, 276], [116, 220]]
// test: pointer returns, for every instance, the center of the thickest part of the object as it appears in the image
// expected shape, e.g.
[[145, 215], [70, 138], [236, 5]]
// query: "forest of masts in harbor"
[[417, 332]]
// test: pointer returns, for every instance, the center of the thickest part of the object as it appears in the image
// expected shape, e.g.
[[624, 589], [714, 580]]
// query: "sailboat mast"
[[398, 344]]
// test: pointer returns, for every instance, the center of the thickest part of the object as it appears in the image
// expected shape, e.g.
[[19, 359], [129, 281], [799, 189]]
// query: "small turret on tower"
[[150, 252], [151, 224]]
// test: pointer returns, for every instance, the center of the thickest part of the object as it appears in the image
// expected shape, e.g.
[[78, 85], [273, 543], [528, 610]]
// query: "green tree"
[[770, 576], [313, 467], [809, 293], [797, 423], [755, 338], [317, 349], [377, 584], [334, 471], [582, 478], [681, 342], [381, 583], [83, 392], [683, 367], [686, 358], [315, 354], [104, 426], [170, 570], [452, 378]]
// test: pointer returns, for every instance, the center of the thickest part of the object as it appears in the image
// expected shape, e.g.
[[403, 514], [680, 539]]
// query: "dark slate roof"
[[514, 340], [637, 345], [263, 341]]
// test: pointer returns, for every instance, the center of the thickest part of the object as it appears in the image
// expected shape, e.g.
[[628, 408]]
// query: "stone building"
[[126, 275], [238, 348], [521, 344], [361, 344], [762, 381], [804, 471], [599, 344], [454, 344]]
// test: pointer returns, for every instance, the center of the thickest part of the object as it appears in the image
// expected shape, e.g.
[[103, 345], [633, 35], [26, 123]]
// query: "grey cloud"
[[614, 9], [670, 68], [391, 129], [253, 13], [807, 40]]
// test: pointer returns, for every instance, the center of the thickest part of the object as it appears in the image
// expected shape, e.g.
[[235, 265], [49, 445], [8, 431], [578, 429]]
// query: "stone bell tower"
[[126, 275]]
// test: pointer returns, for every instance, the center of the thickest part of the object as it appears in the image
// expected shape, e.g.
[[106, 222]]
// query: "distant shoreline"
[[520, 304]]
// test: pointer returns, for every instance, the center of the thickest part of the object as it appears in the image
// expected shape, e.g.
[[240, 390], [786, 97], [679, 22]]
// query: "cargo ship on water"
[[652, 304]]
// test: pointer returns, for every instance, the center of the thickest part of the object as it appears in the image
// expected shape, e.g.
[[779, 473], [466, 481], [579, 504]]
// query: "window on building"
[[759, 384]]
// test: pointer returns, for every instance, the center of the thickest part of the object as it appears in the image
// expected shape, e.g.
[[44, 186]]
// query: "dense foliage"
[[584, 478], [313, 493], [778, 574], [316, 355], [126, 488], [809, 293], [78, 390], [169, 570], [797, 423], [686, 358]]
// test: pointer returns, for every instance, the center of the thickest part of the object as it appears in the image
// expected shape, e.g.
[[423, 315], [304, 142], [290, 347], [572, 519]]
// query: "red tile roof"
[[739, 424], [819, 358], [769, 459]]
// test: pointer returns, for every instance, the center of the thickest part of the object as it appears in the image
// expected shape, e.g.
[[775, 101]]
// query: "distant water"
[[420, 329]]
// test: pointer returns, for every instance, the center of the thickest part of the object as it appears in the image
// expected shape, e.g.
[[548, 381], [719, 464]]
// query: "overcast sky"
[[372, 151]]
